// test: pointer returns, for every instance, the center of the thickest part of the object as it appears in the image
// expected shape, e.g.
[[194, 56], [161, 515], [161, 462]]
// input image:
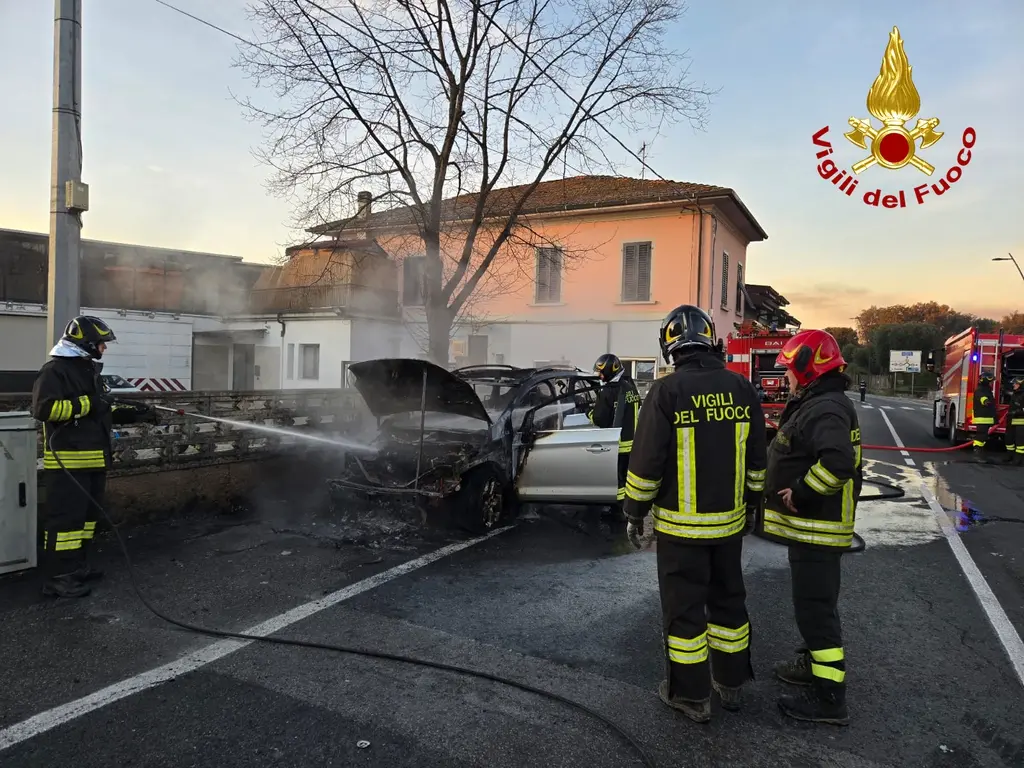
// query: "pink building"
[[610, 257]]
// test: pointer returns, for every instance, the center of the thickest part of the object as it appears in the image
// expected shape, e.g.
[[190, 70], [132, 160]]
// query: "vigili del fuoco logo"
[[893, 101]]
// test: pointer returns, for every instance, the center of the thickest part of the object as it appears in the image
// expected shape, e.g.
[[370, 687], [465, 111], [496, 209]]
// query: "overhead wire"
[[634, 155]]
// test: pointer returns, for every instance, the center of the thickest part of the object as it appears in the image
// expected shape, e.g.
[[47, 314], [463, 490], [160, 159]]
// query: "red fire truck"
[[752, 350], [967, 354]]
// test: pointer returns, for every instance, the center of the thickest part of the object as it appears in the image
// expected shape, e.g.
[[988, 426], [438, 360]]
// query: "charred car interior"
[[470, 445]]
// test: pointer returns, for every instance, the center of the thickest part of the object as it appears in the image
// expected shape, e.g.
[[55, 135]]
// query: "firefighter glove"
[[635, 532], [100, 403]]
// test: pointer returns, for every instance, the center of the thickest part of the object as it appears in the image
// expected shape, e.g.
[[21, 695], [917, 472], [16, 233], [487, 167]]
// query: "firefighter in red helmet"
[[813, 480]]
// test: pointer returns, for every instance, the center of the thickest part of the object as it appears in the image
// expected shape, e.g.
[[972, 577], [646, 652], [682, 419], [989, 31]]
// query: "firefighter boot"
[[698, 711], [731, 697], [88, 573], [65, 585], [980, 456], [825, 702], [797, 671]]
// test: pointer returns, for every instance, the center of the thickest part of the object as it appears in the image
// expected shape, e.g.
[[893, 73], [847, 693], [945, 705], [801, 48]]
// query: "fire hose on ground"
[[608, 722]]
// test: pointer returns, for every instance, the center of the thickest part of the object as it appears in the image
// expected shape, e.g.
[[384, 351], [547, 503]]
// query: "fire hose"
[[607, 721], [944, 449]]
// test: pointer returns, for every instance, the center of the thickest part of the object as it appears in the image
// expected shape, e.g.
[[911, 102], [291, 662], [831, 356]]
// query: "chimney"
[[364, 202]]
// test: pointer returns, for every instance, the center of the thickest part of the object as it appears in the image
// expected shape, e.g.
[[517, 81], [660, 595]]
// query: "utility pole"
[[68, 196]]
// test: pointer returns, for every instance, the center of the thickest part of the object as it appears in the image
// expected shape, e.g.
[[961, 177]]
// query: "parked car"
[[116, 384], [473, 443]]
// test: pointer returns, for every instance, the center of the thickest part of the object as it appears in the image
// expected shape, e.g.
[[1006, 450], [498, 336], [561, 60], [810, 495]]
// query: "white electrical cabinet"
[[18, 447]]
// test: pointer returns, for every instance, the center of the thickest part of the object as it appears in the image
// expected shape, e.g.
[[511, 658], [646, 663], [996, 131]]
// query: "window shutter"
[[739, 289], [643, 291], [555, 270], [549, 275], [629, 272], [542, 276], [725, 280]]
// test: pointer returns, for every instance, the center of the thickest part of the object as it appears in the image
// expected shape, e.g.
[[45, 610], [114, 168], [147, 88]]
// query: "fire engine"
[[967, 354], [752, 350]]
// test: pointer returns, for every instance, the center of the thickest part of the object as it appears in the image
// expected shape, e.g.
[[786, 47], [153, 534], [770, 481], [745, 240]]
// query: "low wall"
[[185, 464]]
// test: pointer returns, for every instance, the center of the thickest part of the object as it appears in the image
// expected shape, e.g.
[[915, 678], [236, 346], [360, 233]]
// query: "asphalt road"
[[557, 602]]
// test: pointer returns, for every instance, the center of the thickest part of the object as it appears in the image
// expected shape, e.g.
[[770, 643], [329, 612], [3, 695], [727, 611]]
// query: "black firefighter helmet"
[[986, 377], [607, 367], [87, 333], [686, 327]]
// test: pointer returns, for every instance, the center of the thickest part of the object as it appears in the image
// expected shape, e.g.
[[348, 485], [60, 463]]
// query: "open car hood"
[[395, 385]]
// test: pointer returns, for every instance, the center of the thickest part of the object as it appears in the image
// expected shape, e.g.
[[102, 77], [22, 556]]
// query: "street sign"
[[904, 361]]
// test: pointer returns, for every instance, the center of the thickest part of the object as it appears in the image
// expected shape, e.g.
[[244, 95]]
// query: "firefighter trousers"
[[704, 612], [623, 468], [981, 436], [816, 579], [69, 519], [1015, 436]]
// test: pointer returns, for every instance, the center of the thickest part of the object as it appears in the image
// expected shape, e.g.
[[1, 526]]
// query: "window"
[[739, 289], [549, 276], [290, 369], [346, 375], [413, 285], [636, 272], [725, 280], [309, 361]]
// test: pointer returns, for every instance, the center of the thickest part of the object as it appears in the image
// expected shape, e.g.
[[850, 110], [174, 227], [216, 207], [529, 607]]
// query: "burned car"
[[471, 444]]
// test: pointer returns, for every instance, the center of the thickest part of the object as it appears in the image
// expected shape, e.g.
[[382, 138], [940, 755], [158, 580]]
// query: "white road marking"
[[906, 408], [45, 721], [896, 438], [867, 407], [887, 407], [1001, 624]]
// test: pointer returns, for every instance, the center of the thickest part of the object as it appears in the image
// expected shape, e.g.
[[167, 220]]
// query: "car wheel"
[[483, 503]]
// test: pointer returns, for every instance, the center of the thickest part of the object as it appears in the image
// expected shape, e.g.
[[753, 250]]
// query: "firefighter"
[[617, 406], [1015, 423], [77, 414], [984, 413], [698, 465], [814, 478], [863, 387]]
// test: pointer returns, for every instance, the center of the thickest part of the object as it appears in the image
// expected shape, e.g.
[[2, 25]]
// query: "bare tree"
[[454, 111]]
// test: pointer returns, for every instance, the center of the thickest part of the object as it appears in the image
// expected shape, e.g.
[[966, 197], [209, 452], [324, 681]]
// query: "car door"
[[572, 461]]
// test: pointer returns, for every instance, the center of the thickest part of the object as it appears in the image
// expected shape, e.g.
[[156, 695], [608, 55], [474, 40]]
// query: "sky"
[[168, 150]]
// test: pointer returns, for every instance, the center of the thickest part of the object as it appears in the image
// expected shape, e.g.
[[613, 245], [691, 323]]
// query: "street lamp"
[[1009, 257]]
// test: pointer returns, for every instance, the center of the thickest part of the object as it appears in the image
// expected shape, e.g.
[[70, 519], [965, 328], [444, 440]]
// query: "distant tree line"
[[922, 327]]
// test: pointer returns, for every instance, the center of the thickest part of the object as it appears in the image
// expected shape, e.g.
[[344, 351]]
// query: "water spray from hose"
[[336, 442]]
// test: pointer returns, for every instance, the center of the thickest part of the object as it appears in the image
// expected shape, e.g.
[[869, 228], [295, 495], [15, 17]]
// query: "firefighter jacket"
[[1016, 413], [817, 454], [77, 418], [699, 454], [984, 405], [618, 404]]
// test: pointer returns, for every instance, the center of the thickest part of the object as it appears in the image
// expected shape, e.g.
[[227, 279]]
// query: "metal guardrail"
[[179, 442]]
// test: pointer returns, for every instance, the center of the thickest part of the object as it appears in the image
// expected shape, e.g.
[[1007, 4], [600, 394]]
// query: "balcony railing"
[[355, 298]]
